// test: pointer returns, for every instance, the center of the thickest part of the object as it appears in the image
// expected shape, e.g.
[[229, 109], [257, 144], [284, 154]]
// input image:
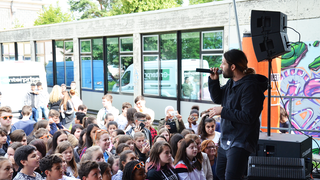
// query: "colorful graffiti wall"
[[300, 76]]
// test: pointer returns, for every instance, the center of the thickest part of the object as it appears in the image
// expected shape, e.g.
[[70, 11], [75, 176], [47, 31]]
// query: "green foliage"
[[17, 24], [51, 15], [88, 8], [191, 2], [190, 45], [168, 46]]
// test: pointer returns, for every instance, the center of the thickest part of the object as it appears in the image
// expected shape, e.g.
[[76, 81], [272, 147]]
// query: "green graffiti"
[[292, 58], [315, 65]]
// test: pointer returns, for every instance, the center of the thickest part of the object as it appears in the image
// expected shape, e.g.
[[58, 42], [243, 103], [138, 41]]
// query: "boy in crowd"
[[5, 121], [73, 86], [108, 118], [32, 99], [28, 160], [18, 136], [140, 120], [51, 166], [89, 170], [43, 134], [63, 87], [25, 123], [122, 118], [83, 108], [3, 140], [43, 101], [54, 121], [149, 122], [107, 108]]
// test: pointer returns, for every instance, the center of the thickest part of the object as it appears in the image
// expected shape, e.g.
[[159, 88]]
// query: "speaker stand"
[[269, 97]]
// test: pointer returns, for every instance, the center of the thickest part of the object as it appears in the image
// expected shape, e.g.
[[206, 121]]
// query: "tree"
[[52, 15], [88, 8], [191, 2]]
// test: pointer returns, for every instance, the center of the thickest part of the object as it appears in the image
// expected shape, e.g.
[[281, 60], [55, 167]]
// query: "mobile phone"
[[142, 125], [173, 113], [192, 118]]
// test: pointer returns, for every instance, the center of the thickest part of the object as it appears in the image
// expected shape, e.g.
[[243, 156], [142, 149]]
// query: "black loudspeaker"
[[287, 146], [269, 34], [267, 22], [276, 168]]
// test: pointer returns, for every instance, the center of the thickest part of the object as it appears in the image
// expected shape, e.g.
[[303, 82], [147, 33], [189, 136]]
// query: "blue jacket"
[[242, 104]]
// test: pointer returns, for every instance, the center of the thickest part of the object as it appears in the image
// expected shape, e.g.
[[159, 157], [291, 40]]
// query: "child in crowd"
[[160, 165], [207, 128], [166, 133], [91, 131], [112, 126], [89, 170], [6, 170], [122, 118], [127, 140], [19, 136], [82, 108], [76, 130], [114, 163], [43, 134], [142, 146], [10, 154], [89, 120], [57, 138], [94, 153], [107, 108], [134, 170], [28, 160], [149, 122], [54, 121], [108, 118], [122, 147], [116, 133], [192, 120], [51, 166], [3, 140], [78, 118], [130, 118], [187, 163], [65, 148], [25, 123], [105, 170], [125, 157], [102, 139], [159, 138], [175, 142], [140, 120], [5, 121]]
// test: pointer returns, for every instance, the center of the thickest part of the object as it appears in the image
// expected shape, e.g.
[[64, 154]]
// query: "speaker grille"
[[276, 168]]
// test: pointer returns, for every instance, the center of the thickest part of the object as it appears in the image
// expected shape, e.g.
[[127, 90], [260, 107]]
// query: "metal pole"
[[237, 23], [269, 98]]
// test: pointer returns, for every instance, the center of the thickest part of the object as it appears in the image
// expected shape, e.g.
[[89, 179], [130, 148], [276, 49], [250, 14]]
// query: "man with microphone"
[[241, 102]]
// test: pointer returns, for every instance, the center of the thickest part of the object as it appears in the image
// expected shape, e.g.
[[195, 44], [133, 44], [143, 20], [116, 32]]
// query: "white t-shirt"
[[122, 121], [216, 137], [193, 127]]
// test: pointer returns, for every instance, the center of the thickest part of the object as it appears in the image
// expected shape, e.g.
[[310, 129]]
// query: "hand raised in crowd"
[[145, 149], [137, 129]]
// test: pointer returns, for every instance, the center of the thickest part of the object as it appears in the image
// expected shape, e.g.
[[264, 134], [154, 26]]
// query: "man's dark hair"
[[138, 115], [22, 153], [126, 105], [47, 162], [17, 135], [86, 167], [32, 84], [80, 116], [39, 84]]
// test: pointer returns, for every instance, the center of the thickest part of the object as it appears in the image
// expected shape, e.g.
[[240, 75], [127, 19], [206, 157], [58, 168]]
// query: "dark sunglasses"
[[6, 117]]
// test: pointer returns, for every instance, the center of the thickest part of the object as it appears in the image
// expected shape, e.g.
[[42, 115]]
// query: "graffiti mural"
[[300, 76]]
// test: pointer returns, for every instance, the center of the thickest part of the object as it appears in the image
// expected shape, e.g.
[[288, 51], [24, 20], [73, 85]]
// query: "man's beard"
[[228, 73]]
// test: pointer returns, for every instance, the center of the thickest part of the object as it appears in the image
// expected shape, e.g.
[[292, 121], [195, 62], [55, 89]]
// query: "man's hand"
[[214, 75], [215, 111]]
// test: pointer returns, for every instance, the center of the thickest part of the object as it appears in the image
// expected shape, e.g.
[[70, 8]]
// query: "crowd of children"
[[117, 146]]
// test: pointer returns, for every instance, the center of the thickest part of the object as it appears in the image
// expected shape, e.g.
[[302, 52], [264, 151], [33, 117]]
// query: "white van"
[[15, 80], [168, 76]]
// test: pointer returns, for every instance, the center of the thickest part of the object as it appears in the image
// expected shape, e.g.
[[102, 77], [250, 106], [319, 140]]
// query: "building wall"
[[19, 12]]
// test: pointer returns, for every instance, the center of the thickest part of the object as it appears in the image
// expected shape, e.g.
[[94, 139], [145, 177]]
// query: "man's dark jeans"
[[232, 163]]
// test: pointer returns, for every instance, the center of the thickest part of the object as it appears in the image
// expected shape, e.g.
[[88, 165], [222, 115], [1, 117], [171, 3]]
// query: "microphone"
[[207, 71]]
